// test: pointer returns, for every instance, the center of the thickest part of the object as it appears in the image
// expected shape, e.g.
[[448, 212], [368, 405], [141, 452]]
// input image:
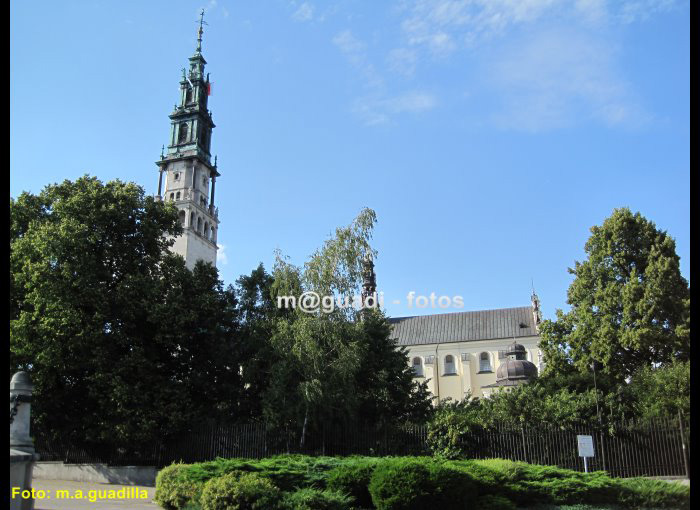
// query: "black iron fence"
[[650, 448], [656, 448]]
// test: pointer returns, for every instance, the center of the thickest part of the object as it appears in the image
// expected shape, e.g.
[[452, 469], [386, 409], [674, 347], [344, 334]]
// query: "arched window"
[[449, 364], [199, 224], [191, 219], [172, 196], [417, 367], [213, 234], [177, 196], [206, 230], [484, 362], [182, 138], [182, 218], [188, 95]]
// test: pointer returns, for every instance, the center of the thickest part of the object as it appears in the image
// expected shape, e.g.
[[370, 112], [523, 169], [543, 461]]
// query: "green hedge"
[[409, 482], [353, 478], [316, 499], [174, 491], [531, 484], [412, 484], [236, 491], [491, 502]]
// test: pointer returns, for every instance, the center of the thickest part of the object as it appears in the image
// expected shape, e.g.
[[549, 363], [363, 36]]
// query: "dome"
[[515, 369], [515, 348]]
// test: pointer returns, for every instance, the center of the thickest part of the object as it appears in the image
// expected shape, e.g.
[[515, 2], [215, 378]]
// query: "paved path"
[[52, 503]]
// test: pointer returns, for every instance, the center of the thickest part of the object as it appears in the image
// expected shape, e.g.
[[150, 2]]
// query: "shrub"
[[315, 499], [353, 478], [493, 502], [288, 472], [531, 484], [401, 485], [408, 484], [173, 490], [247, 491], [452, 488], [527, 484], [646, 493]]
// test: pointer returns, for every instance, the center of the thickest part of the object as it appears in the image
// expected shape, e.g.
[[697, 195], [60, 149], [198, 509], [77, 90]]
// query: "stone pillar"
[[213, 189], [466, 373], [160, 181], [22, 456]]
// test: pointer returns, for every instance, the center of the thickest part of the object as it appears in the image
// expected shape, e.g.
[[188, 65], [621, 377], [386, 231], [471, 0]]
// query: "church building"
[[468, 354], [187, 176], [472, 353]]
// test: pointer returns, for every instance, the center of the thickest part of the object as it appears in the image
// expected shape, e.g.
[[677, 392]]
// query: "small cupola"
[[516, 369]]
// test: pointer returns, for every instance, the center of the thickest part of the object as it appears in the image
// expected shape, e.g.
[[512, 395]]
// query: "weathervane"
[[200, 31]]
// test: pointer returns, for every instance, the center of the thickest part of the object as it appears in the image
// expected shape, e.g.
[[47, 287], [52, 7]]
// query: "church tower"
[[186, 175]]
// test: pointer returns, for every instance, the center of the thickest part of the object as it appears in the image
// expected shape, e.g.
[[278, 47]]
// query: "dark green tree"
[[385, 385], [337, 366], [122, 341], [661, 391], [630, 306]]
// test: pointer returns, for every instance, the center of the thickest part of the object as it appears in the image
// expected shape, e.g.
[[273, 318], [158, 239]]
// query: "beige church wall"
[[467, 377], [193, 247], [199, 249], [172, 185]]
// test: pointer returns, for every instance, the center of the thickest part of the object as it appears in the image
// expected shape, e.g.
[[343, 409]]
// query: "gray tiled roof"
[[464, 326]]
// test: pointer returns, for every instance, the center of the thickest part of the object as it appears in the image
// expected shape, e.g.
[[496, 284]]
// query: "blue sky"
[[489, 136]]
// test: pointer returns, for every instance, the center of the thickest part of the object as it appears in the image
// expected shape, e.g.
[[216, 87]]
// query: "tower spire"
[[200, 31], [369, 280], [536, 311]]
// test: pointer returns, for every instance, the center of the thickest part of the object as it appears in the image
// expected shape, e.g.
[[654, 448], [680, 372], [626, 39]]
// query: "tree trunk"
[[303, 429]]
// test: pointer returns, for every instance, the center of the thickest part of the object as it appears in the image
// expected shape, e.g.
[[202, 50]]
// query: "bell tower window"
[[182, 138]]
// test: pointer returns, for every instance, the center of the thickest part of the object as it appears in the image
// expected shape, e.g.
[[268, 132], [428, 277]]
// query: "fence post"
[[522, 432], [602, 449], [685, 451]]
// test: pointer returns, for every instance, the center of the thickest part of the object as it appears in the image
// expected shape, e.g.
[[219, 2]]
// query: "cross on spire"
[[200, 31]]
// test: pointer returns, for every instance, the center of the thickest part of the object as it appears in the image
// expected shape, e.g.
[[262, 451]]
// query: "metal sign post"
[[585, 449]]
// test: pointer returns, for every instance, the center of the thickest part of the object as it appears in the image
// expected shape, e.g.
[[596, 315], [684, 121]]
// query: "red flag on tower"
[[209, 89]]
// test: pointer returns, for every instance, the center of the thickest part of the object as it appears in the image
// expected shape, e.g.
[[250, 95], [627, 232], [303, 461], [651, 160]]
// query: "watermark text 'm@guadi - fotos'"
[[312, 302]]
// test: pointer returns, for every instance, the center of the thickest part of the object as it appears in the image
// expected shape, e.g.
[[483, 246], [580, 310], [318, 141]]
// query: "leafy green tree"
[[630, 306], [385, 385], [257, 312], [661, 391], [340, 365], [122, 341]]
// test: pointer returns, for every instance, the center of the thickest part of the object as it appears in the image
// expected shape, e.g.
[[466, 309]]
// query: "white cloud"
[[557, 78], [545, 64], [641, 10], [348, 43], [355, 51], [402, 61], [378, 107], [305, 12], [380, 110], [443, 26], [221, 258]]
